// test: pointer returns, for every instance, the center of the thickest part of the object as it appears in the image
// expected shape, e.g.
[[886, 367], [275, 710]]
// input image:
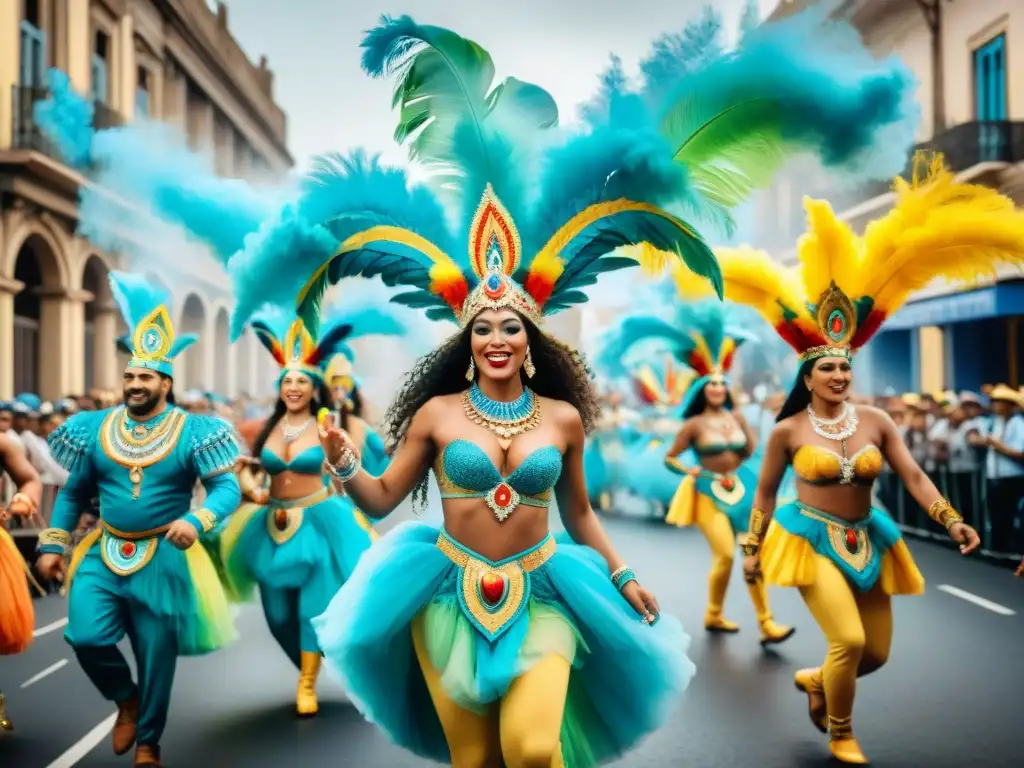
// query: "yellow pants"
[[858, 628], [520, 731], [718, 531]]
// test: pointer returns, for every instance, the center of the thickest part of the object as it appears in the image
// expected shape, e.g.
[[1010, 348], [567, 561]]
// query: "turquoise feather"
[[798, 85], [136, 299], [148, 166]]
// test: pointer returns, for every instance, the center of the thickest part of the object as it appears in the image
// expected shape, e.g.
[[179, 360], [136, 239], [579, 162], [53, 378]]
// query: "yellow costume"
[[845, 288]]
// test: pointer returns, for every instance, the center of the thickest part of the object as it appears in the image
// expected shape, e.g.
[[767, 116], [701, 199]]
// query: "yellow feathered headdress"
[[846, 286]]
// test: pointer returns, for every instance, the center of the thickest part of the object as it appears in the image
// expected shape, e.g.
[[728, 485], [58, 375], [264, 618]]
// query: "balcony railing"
[[962, 146], [27, 134]]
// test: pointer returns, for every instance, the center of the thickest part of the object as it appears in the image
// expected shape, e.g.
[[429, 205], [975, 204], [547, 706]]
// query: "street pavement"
[[948, 697]]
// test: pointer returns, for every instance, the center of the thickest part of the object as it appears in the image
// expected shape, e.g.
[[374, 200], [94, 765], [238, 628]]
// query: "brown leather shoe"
[[125, 726], [148, 754]]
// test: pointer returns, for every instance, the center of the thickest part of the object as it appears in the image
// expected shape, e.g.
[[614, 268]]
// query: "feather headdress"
[[538, 234], [846, 286], [294, 348], [151, 340], [662, 386]]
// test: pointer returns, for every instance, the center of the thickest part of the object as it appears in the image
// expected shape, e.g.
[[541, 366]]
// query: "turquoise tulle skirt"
[[627, 678], [595, 469], [649, 478], [299, 555]]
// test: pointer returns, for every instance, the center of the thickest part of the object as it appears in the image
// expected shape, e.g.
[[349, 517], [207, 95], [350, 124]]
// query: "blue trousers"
[[99, 617], [289, 613]]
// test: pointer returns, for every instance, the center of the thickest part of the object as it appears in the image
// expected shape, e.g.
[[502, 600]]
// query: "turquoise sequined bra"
[[307, 462], [465, 471]]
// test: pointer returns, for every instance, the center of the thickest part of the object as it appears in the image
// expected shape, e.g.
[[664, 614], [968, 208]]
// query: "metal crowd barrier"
[[968, 492]]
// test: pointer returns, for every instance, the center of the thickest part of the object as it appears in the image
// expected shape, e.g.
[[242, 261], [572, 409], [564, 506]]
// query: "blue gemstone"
[[494, 282]]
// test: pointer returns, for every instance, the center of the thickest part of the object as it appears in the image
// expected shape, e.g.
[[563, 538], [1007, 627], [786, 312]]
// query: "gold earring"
[[471, 371], [528, 365]]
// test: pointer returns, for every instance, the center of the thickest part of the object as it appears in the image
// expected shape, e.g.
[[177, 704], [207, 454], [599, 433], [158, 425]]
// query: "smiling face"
[[715, 392], [830, 379], [144, 390], [498, 343], [296, 391]]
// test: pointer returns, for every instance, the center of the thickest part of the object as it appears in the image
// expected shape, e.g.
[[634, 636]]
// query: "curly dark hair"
[[561, 374]]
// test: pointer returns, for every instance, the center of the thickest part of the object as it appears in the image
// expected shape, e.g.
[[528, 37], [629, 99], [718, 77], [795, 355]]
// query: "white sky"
[[561, 45]]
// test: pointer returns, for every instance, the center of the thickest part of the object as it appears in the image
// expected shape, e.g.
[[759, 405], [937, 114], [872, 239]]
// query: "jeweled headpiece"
[[151, 340], [846, 285], [294, 348]]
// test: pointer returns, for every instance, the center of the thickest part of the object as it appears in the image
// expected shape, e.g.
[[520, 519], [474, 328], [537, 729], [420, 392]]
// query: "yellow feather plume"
[[756, 280], [828, 252], [938, 228]]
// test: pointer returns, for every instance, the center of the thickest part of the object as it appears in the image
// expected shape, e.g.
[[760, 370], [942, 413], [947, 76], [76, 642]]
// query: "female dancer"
[[299, 541], [661, 390], [717, 491], [846, 557], [17, 616]]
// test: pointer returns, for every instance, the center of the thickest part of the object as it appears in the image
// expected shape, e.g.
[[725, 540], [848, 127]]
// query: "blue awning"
[[999, 300]]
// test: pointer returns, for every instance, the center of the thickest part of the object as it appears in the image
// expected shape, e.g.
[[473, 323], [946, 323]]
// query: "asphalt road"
[[949, 696]]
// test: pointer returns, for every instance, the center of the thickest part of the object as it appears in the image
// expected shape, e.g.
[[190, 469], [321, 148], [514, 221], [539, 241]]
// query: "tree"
[[932, 10], [750, 19]]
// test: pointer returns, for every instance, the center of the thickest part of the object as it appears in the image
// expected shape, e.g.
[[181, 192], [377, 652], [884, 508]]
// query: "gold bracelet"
[[753, 542], [54, 537], [941, 512]]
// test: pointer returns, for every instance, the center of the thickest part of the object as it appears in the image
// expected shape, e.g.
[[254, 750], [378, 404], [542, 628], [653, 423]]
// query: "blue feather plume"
[[136, 298], [145, 169], [799, 85]]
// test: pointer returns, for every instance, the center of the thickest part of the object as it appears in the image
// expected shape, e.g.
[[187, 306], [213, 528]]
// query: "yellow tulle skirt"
[[789, 560]]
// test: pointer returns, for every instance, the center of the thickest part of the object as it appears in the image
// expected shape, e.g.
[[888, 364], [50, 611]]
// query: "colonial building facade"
[[171, 60], [972, 104]]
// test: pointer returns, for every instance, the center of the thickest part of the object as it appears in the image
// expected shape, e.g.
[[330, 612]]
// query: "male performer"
[[138, 573]]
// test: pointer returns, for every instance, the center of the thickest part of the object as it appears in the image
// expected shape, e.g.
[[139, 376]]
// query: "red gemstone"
[[851, 539], [127, 548], [728, 483], [502, 495], [281, 519], [492, 587], [837, 325]]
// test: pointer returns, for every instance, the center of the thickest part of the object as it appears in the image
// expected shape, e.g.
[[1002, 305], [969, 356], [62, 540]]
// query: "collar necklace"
[[504, 420]]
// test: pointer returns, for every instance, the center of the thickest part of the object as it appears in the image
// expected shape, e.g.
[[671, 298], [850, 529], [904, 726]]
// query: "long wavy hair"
[[699, 403], [321, 398], [799, 396], [560, 375]]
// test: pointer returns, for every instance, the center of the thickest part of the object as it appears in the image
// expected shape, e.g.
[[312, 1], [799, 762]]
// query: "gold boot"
[[843, 746], [771, 633], [306, 704], [5, 724], [809, 681], [715, 622]]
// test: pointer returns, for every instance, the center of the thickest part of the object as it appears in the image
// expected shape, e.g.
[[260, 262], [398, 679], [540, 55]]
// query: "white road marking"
[[988, 605], [85, 745], [50, 628], [45, 673]]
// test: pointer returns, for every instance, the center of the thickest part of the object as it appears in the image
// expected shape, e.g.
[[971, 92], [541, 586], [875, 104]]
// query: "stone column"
[[10, 48], [8, 290], [61, 341], [106, 371], [124, 63], [74, 43]]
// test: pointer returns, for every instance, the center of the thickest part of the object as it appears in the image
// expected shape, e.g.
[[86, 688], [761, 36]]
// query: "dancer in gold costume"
[[845, 556]]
